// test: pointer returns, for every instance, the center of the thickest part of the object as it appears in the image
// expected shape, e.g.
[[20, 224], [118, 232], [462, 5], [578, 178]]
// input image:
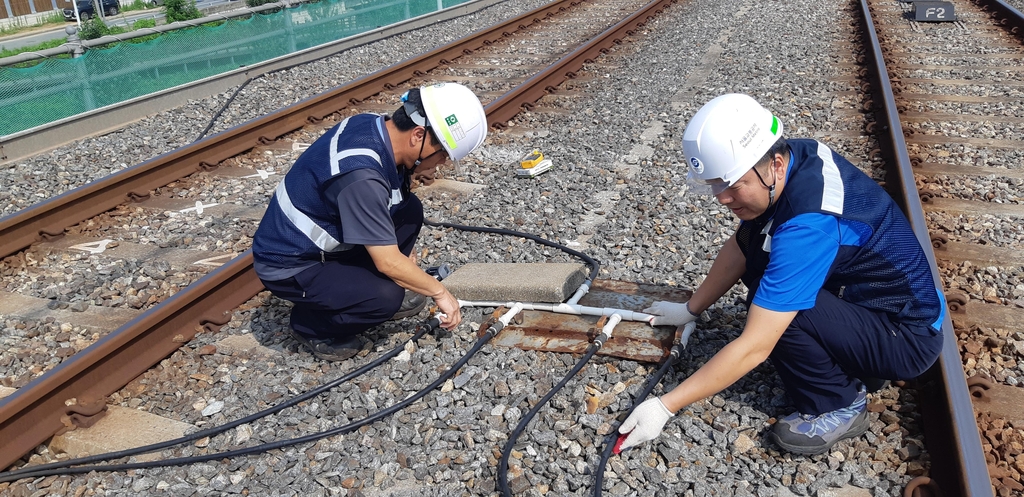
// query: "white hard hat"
[[726, 138], [456, 116]]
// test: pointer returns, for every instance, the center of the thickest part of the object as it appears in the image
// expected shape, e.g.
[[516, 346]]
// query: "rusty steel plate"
[[554, 332]]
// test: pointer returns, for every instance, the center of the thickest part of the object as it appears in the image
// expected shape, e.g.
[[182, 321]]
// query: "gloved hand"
[[670, 313], [644, 423], [450, 314]]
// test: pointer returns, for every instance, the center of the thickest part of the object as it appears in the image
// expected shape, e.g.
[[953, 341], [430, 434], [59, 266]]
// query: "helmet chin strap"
[[771, 189], [419, 156]]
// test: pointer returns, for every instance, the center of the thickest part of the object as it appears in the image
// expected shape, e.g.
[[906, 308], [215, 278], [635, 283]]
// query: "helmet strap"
[[419, 156], [413, 112], [771, 188]]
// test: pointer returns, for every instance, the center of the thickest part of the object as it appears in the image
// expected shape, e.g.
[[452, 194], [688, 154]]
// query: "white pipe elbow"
[[610, 325], [580, 292], [507, 317]]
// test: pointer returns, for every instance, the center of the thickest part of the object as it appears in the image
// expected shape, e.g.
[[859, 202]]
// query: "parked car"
[[88, 11]]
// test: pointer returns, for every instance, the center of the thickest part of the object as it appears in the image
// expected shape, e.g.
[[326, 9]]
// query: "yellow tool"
[[531, 159], [533, 164]]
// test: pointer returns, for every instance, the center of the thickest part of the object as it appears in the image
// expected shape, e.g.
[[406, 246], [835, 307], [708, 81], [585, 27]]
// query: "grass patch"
[[4, 52], [54, 17]]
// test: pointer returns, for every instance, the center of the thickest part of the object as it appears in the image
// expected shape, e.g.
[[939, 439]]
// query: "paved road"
[[123, 19]]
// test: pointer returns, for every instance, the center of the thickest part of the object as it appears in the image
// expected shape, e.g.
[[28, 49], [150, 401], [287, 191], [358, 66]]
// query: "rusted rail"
[[49, 219], [1009, 16], [33, 413], [958, 463], [504, 109]]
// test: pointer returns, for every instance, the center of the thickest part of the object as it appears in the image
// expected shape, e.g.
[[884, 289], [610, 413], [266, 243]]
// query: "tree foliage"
[[93, 28], [181, 10]]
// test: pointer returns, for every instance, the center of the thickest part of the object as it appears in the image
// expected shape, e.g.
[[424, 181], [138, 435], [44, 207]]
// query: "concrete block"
[[121, 428], [451, 186], [27, 307], [234, 344], [519, 282]]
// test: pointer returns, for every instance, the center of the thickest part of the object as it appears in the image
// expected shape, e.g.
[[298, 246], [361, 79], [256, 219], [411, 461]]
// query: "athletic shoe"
[[338, 349], [412, 304], [810, 434]]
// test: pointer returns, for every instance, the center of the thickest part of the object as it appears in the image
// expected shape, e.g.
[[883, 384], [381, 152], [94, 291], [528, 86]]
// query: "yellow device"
[[531, 159]]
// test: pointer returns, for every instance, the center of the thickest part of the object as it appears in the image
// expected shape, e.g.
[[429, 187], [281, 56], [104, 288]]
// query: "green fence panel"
[[61, 87]]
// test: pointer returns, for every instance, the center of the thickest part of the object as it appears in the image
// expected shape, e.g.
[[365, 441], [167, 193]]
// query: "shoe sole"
[[856, 430]]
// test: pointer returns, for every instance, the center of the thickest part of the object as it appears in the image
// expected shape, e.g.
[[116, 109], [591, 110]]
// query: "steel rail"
[[50, 218], [958, 462], [541, 84], [33, 413], [49, 136], [1007, 13]]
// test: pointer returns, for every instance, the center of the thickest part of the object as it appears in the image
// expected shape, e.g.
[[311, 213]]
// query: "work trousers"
[[828, 349], [346, 295]]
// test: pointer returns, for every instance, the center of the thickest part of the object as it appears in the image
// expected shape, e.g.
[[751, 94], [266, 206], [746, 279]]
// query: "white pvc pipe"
[[580, 292], [507, 317], [563, 308], [610, 325]]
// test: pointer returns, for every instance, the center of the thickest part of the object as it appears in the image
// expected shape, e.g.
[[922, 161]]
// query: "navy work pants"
[[342, 298], [827, 348]]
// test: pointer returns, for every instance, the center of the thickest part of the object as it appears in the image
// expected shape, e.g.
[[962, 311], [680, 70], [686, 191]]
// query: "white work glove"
[[670, 313], [645, 423]]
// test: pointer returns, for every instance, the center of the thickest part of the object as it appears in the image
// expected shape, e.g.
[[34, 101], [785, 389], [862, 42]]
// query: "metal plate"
[[568, 333]]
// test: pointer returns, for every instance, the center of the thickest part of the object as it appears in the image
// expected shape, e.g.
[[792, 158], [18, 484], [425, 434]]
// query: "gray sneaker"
[[809, 434], [412, 304]]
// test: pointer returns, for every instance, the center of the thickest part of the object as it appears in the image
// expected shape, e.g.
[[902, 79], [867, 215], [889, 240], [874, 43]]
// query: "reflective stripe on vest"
[[303, 223]]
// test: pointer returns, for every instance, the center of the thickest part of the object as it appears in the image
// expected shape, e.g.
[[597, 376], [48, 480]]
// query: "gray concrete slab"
[[119, 429], [451, 186], [520, 282], [91, 316], [235, 344]]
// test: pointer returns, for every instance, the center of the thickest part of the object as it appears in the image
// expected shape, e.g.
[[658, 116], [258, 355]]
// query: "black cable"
[[280, 443], [290, 67], [609, 443], [224, 107], [594, 265], [507, 451], [594, 269], [49, 469], [65, 467]]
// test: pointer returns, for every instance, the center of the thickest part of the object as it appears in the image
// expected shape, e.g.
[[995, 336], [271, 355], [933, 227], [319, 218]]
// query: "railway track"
[[952, 108], [165, 193], [987, 335]]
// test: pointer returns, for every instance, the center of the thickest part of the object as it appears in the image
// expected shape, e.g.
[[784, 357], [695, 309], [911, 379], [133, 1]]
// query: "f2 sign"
[[934, 11]]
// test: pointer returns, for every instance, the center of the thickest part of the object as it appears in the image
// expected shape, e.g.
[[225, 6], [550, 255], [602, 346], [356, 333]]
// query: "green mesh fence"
[[59, 88]]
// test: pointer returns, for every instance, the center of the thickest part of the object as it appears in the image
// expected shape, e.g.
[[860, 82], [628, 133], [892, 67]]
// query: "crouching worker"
[[337, 238], [841, 294]]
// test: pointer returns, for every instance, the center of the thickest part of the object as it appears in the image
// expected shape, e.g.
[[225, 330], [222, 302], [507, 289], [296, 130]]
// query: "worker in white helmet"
[[337, 238], [841, 295]]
